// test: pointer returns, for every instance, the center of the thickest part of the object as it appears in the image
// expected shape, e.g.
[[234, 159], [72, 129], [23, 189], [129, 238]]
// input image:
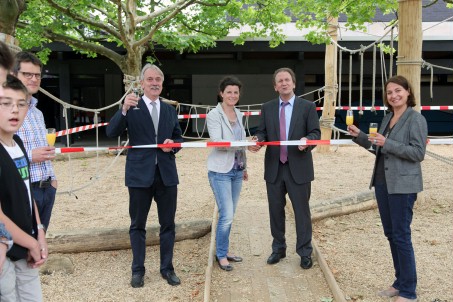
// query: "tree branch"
[[99, 49], [212, 4], [120, 25], [430, 4], [148, 37], [68, 12], [140, 19]]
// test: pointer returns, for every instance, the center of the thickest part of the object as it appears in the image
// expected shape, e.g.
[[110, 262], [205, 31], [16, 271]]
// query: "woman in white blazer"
[[400, 147], [226, 166]]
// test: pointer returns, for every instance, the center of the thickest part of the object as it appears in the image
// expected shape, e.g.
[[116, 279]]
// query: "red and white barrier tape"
[[365, 108], [79, 129], [385, 108], [246, 113], [440, 141]]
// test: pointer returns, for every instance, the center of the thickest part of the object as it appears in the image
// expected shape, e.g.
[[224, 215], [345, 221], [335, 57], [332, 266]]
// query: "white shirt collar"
[[291, 100], [148, 100]]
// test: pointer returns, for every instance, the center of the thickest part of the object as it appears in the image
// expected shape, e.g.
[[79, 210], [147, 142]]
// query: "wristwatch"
[[41, 227], [9, 243]]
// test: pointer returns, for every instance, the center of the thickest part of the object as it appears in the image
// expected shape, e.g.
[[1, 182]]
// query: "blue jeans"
[[226, 188], [396, 216], [45, 199]]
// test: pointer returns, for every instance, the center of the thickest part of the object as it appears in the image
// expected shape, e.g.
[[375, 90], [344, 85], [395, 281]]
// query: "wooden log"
[[107, 239], [410, 38], [330, 90], [359, 202]]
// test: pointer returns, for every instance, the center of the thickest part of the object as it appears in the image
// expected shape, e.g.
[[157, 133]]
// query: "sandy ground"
[[354, 245]]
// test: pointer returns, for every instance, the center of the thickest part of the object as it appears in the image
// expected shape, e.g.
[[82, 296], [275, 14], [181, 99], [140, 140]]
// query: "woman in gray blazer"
[[226, 166], [399, 146]]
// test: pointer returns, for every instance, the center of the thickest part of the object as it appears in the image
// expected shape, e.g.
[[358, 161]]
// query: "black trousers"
[[139, 205], [299, 194]]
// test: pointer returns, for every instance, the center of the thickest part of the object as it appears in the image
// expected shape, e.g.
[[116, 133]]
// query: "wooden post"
[[410, 44], [330, 91]]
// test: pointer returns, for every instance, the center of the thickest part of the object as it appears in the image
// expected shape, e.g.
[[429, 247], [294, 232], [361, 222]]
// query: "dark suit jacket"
[[141, 163], [304, 123]]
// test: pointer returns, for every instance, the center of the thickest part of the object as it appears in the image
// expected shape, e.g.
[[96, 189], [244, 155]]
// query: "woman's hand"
[[254, 148], [353, 131], [378, 140], [245, 176]]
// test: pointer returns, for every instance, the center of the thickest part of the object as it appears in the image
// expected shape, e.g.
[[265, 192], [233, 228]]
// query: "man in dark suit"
[[288, 169], [150, 172]]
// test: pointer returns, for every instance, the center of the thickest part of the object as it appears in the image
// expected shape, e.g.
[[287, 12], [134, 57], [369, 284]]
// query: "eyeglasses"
[[29, 75], [9, 105]]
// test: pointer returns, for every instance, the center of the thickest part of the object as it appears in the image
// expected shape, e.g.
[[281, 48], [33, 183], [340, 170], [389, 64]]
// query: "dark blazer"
[[403, 151], [141, 163], [14, 199], [304, 123]]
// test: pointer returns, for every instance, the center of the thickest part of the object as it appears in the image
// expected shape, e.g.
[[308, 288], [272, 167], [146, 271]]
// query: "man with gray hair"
[[150, 172]]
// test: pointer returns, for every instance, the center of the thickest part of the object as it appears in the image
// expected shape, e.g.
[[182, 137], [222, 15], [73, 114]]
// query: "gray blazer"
[[221, 159], [403, 151]]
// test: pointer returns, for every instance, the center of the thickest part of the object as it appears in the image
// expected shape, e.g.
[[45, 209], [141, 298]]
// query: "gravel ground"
[[354, 245]]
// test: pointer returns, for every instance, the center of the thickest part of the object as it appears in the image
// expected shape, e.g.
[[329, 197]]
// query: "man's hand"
[[302, 147], [42, 154], [255, 148], [168, 141], [34, 254], [131, 100], [38, 255]]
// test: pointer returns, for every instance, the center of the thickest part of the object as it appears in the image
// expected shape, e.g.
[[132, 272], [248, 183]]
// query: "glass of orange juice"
[[51, 136], [349, 117], [372, 132]]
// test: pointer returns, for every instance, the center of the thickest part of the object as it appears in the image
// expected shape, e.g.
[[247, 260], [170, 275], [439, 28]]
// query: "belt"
[[42, 183]]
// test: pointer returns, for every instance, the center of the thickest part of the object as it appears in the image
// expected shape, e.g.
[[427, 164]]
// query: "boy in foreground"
[[19, 280]]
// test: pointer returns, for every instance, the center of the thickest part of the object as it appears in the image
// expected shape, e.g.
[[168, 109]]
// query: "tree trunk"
[[330, 91], [410, 44], [131, 67], [95, 240], [10, 11]]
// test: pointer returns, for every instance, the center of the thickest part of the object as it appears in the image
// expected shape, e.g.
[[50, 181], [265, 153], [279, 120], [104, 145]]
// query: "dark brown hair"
[[403, 82], [15, 84], [25, 57]]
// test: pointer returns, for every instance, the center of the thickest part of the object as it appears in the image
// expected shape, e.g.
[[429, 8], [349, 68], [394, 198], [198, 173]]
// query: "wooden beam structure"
[[331, 89], [410, 38]]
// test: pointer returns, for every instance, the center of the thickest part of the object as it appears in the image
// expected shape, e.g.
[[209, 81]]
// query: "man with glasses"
[[27, 68]]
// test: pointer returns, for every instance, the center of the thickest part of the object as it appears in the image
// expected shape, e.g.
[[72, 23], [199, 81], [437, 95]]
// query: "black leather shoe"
[[276, 257], [234, 258], [171, 278], [306, 262], [137, 281], [227, 267]]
